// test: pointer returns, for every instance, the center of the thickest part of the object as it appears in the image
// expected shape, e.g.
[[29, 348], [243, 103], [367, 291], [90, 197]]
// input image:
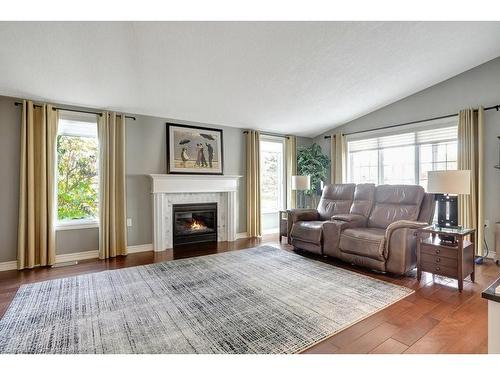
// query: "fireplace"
[[194, 223], [170, 189]]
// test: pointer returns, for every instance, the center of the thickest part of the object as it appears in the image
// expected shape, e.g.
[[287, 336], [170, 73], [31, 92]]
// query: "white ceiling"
[[288, 77]]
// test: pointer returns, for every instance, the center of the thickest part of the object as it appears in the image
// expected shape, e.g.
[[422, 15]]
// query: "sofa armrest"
[[404, 224], [302, 214], [299, 214], [400, 245], [354, 220]]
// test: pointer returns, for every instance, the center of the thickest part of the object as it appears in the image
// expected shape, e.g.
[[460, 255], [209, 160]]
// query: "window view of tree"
[[270, 181], [271, 176], [77, 184]]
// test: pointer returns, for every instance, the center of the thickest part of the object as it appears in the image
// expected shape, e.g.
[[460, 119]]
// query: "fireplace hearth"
[[194, 223]]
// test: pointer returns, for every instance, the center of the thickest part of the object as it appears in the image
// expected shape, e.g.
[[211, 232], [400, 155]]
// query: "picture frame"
[[194, 150]]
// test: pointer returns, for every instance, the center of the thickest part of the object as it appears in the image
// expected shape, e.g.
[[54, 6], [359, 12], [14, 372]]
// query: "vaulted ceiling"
[[289, 77]]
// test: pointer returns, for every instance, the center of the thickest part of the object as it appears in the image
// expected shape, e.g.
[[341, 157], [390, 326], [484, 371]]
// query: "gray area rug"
[[260, 300]]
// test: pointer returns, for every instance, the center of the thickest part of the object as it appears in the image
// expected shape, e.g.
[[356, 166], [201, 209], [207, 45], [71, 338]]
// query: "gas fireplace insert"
[[193, 223]]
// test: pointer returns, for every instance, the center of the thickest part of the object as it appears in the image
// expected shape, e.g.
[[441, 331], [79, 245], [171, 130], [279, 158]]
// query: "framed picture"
[[194, 150]]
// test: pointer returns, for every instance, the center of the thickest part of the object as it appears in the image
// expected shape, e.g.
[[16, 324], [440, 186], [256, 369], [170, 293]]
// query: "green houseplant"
[[312, 162]]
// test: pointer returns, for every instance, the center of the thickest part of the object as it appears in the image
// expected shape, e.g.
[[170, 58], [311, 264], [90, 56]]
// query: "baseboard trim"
[[493, 255], [271, 231], [140, 248], [82, 255], [8, 266], [241, 235]]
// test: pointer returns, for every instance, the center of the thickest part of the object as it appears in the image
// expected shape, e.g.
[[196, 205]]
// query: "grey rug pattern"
[[260, 300]]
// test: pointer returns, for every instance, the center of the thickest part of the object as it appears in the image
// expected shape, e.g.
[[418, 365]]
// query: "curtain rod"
[[271, 134], [497, 107], [75, 110]]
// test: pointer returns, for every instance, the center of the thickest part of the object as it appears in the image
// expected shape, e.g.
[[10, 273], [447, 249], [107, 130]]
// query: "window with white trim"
[[272, 174], [77, 171], [403, 158]]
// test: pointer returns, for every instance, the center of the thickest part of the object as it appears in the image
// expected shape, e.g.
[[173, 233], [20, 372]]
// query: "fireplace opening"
[[193, 223]]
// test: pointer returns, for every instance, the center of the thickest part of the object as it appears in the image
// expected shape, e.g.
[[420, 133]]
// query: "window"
[[437, 157], [272, 181], [364, 166], [403, 158], [77, 171]]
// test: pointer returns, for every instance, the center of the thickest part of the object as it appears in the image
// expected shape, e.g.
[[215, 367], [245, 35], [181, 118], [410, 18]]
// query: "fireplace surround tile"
[[168, 190]]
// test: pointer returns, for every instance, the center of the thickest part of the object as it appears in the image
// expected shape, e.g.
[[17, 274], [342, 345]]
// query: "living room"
[[199, 186]]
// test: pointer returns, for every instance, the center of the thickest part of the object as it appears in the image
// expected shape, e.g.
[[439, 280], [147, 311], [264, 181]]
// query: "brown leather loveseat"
[[363, 224]]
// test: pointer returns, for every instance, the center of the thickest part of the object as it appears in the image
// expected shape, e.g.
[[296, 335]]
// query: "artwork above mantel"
[[194, 150]]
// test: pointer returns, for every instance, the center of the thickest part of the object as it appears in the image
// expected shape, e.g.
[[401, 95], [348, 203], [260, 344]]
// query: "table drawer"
[[438, 260], [440, 270], [440, 251]]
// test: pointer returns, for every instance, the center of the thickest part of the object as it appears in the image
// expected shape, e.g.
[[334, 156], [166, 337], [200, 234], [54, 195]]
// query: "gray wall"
[[146, 154], [304, 142], [478, 86], [9, 171]]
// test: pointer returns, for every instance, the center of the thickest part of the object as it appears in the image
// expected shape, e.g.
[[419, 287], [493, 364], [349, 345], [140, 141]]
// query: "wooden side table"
[[283, 224], [436, 257]]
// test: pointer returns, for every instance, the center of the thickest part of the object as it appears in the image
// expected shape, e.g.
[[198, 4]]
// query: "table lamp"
[[447, 184], [301, 183]]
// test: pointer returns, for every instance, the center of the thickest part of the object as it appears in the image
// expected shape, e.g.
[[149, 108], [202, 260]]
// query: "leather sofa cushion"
[[363, 199], [395, 202], [368, 242], [308, 231], [336, 199]]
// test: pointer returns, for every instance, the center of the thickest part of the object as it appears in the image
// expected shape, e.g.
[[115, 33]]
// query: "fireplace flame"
[[197, 225]]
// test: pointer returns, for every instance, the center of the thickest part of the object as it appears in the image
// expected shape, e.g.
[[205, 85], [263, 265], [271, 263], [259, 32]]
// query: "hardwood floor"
[[435, 319]]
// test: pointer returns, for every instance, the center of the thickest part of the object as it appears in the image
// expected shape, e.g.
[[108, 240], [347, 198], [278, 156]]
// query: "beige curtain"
[[253, 183], [291, 170], [112, 199], [471, 157], [36, 227], [338, 157]]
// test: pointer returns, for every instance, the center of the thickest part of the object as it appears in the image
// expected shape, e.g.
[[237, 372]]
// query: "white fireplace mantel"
[[169, 189]]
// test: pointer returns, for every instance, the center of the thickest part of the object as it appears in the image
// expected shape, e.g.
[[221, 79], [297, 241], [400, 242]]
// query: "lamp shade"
[[449, 182], [301, 182]]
